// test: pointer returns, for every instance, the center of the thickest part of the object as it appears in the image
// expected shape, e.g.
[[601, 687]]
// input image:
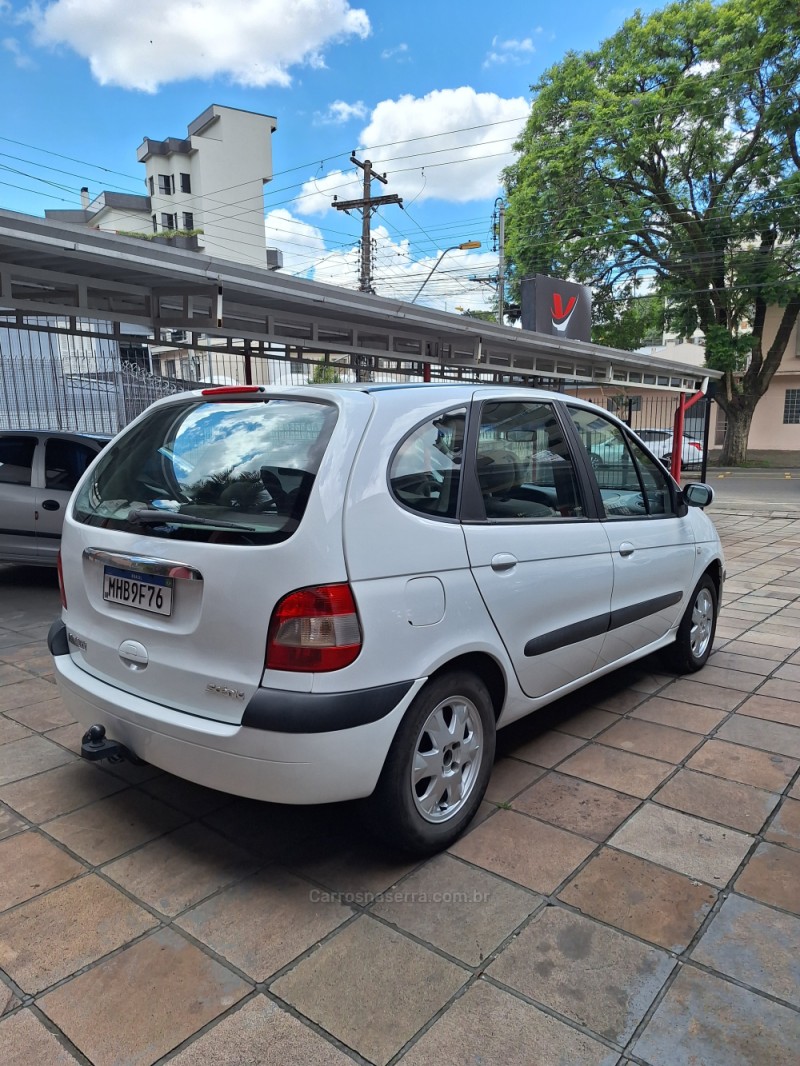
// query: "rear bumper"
[[277, 767]]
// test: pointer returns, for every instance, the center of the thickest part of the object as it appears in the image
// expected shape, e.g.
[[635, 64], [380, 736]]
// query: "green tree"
[[671, 154], [324, 374]]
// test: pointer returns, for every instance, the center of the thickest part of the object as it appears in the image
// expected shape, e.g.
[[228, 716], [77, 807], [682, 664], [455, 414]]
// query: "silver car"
[[38, 471]]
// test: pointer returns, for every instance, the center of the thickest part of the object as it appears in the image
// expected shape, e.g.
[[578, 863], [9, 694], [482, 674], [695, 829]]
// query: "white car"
[[659, 443], [38, 471], [323, 593]]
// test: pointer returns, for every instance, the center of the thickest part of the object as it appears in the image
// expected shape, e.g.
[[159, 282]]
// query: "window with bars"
[[791, 407]]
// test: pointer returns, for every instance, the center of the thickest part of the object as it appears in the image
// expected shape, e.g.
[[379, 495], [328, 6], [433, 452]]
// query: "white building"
[[204, 192]]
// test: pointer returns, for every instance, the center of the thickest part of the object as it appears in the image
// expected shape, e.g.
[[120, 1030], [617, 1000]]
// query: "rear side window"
[[235, 473], [425, 473], [16, 460], [65, 463]]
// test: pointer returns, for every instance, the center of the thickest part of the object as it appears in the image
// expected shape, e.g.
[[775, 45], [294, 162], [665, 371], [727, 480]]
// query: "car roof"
[[67, 434]]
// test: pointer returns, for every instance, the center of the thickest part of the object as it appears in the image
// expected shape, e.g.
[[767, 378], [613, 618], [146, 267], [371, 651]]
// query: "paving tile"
[[24, 1041], [722, 699], [728, 802], [740, 763], [488, 1026], [749, 664], [620, 770], [180, 869], [464, 911], [20, 694], [762, 651], [595, 975], [357, 868], [785, 641], [680, 715], [10, 675], [9, 823], [264, 922], [371, 988], [790, 672], [705, 1021], [622, 701], [54, 935], [58, 791], [113, 825], [269, 830], [785, 828], [154, 995], [757, 733], [8, 1002], [772, 876], [781, 688], [31, 864], [647, 738], [11, 730], [580, 806], [260, 1034], [681, 842], [68, 736], [775, 710], [186, 796], [40, 717], [587, 724], [756, 945], [640, 897], [524, 850], [738, 680], [510, 776], [547, 749], [31, 755]]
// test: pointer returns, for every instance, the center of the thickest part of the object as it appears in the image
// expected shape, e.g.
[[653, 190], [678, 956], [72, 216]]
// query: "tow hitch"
[[94, 747]]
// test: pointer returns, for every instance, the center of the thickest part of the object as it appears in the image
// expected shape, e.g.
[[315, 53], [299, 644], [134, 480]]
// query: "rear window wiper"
[[147, 516]]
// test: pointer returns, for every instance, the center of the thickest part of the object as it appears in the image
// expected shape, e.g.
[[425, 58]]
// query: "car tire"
[[449, 729], [695, 636]]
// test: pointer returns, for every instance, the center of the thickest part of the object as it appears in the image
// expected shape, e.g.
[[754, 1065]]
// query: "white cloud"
[[398, 268], [340, 112], [150, 43], [512, 51], [21, 60], [421, 160], [398, 53], [301, 243]]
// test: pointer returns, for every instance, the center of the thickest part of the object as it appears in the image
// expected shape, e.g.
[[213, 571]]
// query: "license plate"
[[145, 592]]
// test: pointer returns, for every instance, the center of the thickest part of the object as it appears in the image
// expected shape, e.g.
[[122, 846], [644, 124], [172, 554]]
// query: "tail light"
[[694, 444], [314, 630], [61, 581]]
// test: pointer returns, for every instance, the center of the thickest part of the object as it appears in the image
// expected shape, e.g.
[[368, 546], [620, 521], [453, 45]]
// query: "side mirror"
[[697, 495]]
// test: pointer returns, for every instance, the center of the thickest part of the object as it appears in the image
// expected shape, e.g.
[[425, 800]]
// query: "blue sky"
[[433, 92]]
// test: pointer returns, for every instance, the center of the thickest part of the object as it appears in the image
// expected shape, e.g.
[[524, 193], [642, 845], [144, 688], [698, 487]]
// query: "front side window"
[[65, 463], [631, 483], [425, 473], [524, 465], [235, 473], [16, 460]]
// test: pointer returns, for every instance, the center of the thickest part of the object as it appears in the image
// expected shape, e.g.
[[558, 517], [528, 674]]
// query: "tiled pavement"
[[631, 895]]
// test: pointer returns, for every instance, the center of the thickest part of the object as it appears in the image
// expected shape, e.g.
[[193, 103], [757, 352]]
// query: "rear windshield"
[[230, 473]]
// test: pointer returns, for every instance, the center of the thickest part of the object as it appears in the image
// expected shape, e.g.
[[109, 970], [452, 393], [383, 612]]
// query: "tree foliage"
[[670, 157]]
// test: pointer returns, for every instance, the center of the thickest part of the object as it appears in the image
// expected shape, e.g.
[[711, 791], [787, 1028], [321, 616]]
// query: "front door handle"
[[50, 505], [503, 561], [626, 548]]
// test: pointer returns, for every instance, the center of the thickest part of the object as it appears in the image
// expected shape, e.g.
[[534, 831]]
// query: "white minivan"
[[313, 594]]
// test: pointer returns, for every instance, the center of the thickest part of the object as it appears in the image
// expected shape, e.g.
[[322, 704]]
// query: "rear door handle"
[[503, 561], [50, 505], [626, 548]]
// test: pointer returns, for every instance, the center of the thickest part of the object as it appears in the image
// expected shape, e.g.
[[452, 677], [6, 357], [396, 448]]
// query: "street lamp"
[[455, 248]]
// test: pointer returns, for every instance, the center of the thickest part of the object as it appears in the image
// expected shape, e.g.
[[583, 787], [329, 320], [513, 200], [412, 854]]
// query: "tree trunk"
[[734, 449]]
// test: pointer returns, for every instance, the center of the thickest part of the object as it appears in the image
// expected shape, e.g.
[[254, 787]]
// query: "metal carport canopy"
[[75, 273]]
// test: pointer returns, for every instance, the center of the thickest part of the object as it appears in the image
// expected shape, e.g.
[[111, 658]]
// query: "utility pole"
[[367, 204], [500, 207]]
